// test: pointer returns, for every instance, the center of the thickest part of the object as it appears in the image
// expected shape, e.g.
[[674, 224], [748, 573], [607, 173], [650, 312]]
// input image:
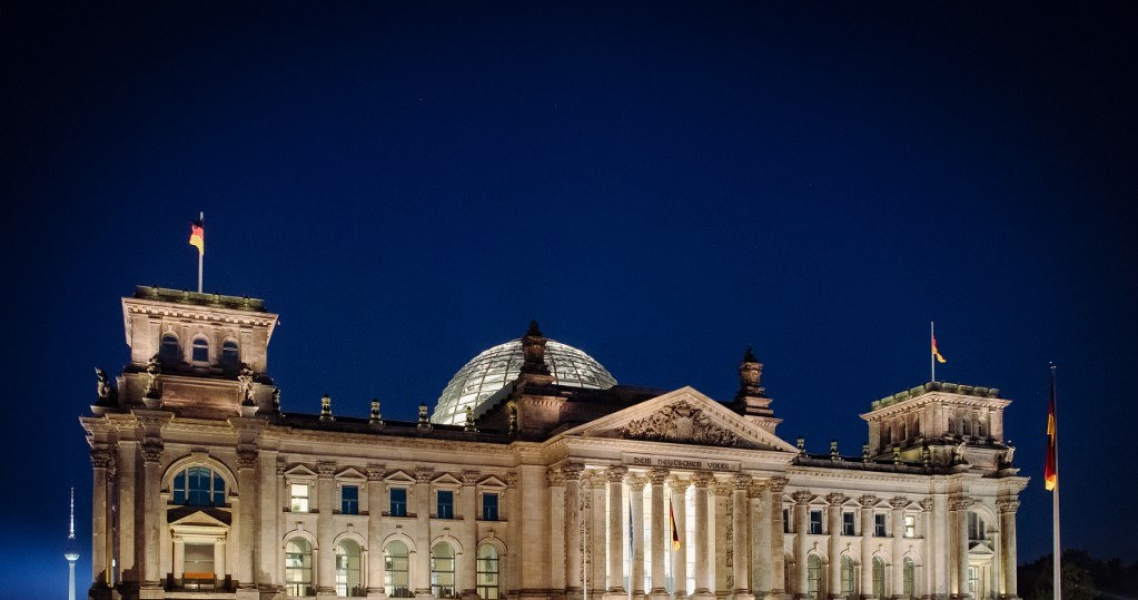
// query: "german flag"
[[675, 533], [1051, 467], [197, 236], [940, 359]]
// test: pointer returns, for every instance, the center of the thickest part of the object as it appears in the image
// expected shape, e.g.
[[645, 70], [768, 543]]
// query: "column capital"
[[741, 481], [868, 501], [898, 502], [556, 477], [960, 503], [637, 482], [1008, 506], [246, 459], [701, 478], [376, 472], [803, 497], [572, 471], [778, 484], [512, 479], [470, 477], [424, 474], [721, 488], [756, 489], [325, 469], [658, 476], [679, 485], [926, 504], [616, 474], [152, 452], [836, 499], [101, 458]]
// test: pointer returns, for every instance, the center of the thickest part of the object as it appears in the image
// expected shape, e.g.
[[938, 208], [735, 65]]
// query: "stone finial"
[[423, 422], [750, 375], [512, 411], [533, 351], [896, 455], [376, 417], [326, 408], [865, 453], [834, 456], [801, 445], [277, 399], [102, 386], [153, 381], [469, 426], [245, 385]]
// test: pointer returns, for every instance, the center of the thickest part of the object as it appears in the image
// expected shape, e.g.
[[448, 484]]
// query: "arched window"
[[201, 350], [488, 572], [169, 353], [910, 576], [396, 573], [814, 577], [442, 570], [298, 568], [199, 486], [878, 578], [847, 577], [230, 357], [348, 569]]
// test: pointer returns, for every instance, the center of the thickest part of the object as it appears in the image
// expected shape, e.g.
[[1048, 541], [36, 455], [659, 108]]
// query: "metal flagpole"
[[932, 357], [1056, 549], [201, 254]]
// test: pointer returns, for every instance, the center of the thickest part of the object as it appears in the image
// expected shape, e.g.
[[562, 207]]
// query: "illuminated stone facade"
[[205, 489]]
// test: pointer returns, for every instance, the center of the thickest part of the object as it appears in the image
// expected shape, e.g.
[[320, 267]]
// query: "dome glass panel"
[[493, 369]]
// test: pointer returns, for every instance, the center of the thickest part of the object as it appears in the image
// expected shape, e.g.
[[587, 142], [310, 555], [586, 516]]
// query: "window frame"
[[849, 523], [195, 346], [440, 505], [817, 519], [391, 504]]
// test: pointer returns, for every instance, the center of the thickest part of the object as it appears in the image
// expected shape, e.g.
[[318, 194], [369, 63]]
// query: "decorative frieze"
[[679, 422]]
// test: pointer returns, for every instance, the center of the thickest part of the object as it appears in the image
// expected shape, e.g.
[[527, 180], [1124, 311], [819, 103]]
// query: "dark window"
[[847, 523], [201, 350], [398, 502], [230, 358], [879, 526], [976, 528], [489, 507], [816, 521], [444, 505], [350, 500], [785, 520], [199, 486], [169, 352]]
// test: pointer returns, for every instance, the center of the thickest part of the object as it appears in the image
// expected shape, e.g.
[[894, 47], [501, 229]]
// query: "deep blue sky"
[[658, 184]]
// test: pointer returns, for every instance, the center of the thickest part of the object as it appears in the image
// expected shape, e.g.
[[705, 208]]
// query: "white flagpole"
[[201, 254], [932, 357], [1056, 550]]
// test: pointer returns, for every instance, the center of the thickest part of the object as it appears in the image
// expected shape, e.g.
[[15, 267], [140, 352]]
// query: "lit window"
[[397, 570], [299, 492], [350, 500], [201, 350], [487, 570], [847, 577], [230, 357], [442, 571], [878, 578], [973, 580], [909, 576], [398, 502], [489, 507], [879, 525], [169, 352], [348, 580], [847, 523], [199, 486], [444, 504], [816, 521], [910, 526], [197, 567], [298, 567], [814, 577]]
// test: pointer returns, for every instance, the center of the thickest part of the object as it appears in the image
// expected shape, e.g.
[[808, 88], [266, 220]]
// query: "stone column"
[[101, 462], [557, 547], [179, 558], [763, 563], [636, 511], [152, 453], [375, 497], [867, 503], [574, 550], [219, 560], [719, 547], [1008, 510], [778, 538], [268, 539], [468, 508], [325, 532], [928, 576], [127, 570], [512, 499], [421, 569], [597, 535], [740, 528], [801, 527], [702, 526], [898, 503], [660, 530], [679, 557], [617, 530], [247, 484], [959, 507], [835, 549]]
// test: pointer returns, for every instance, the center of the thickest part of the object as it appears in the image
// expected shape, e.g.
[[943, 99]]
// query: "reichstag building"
[[536, 476]]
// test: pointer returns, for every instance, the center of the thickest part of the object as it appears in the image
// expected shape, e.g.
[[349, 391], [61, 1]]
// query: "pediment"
[[684, 416], [982, 548], [492, 482], [446, 479], [300, 472], [197, 517], [352, 475], [399, 477]]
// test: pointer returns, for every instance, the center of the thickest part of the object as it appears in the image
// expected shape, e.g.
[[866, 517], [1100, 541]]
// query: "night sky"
[[658, 184]]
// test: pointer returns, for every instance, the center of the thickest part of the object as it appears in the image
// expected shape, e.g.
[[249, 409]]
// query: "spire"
[[751, 400], [72, 551], [71, 529]]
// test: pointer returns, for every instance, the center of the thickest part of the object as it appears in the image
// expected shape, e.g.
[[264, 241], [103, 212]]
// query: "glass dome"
[[491, 370]]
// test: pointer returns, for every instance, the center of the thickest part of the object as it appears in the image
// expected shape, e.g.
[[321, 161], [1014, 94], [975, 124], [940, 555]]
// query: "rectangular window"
[[910, 526], [489, 507], [299, 502], [879, 526], [350, 500], [399, 502], [847, 523], [816, 521], [786, 520], [444, 504]]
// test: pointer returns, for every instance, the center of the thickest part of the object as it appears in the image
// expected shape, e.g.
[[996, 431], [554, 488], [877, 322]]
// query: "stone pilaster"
[[152, 454], [574, 549], [959, 507], [778, 539], [762, 563], [247, 516], [375, 497], [421, 570], [102, 461], [867, 503], [835, 517], [898, 503], [1008, 510], [127, 571], [468, 536], [325, 528], [557, 549], [269, 573]]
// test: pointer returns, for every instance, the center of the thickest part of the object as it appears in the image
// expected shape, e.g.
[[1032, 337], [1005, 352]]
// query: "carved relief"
[[152, 452], [1008, 506], [246, 459], [680, 422], [376, 472]]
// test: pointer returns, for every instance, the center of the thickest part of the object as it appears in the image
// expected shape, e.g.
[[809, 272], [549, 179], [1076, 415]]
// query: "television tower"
[[72, 551]]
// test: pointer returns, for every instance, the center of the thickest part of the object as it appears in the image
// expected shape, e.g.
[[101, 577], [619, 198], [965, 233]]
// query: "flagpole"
[[201, 255], [1057, 552], [932, 357]]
